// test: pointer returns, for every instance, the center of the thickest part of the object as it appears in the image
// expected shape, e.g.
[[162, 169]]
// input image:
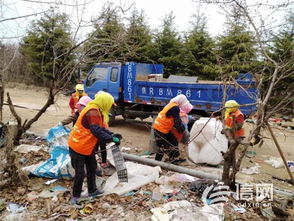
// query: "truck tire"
[[111, 116]]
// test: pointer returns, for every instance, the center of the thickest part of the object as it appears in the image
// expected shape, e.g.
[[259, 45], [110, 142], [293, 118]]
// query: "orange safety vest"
[[76, 98], [81, 139], [163, 123], [177, 134], [230, 121]]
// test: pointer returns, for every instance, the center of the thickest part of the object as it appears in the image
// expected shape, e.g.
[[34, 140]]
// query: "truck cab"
[[104, 77]]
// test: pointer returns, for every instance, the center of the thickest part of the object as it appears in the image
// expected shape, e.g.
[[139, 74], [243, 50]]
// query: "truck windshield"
[[97, 74]]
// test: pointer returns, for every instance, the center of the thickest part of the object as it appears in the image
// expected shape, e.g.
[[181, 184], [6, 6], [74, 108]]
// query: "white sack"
[[207, 146]]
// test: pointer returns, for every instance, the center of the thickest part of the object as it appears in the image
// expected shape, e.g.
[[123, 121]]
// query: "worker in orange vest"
[[234, 120], [75, 97], [168, 120], [82, 103], [86, 133]]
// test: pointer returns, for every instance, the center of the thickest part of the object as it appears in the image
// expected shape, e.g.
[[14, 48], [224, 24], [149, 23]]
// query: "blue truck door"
[[114, 82], [97, 80]]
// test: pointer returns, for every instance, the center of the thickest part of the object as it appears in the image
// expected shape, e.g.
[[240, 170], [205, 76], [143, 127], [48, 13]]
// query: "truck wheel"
[[111, 116]]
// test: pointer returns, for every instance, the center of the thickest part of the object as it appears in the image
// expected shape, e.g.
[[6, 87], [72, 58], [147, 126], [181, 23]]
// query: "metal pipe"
[[172, 167]]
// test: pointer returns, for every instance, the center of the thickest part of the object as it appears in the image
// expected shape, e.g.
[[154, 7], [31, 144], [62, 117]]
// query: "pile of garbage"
[[150, 193], [280, 121]]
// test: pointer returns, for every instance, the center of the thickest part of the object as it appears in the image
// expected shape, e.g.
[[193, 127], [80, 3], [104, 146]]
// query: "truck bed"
[[203, 95]]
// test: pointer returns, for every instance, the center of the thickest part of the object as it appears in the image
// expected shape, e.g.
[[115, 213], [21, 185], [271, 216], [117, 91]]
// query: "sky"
[[155, 10]]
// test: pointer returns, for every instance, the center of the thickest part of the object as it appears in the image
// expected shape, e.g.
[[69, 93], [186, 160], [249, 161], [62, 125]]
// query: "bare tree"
[[279, 70]]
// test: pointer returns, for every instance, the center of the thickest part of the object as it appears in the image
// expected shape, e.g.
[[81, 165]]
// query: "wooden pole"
[[280, 151]]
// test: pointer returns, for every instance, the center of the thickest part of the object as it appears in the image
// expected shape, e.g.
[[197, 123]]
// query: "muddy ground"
[[136, 134]]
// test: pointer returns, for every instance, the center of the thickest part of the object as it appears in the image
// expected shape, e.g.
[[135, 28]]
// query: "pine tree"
[[139, 46], [169, 47], [282, 51], [199, 57], [47, 46], [107, 41], [236, 49]]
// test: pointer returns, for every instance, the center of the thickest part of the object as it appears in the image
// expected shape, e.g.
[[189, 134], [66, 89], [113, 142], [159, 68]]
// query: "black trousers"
[[78, 162], [167, 144], [103, 151]]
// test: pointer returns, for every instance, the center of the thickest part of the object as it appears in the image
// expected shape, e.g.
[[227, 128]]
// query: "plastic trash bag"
[[59, 164], [57, 136], [208, 142]]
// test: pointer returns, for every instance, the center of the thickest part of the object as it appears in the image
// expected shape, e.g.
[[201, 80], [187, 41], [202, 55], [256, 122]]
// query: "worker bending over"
[[164, 123]]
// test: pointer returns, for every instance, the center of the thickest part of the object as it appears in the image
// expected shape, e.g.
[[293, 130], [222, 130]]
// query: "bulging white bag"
[[207, 146]]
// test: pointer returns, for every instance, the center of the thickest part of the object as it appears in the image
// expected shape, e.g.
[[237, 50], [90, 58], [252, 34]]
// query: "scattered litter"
[[50, 181], [48, 194], [125, 149], [156, 194], [119, 163], [138, 176], [268, 213], [251, 170], [200, 185], [291, 165], [32, 196], [88, 209], [175, 179], [142, 192], [207, 141], [58, 135], [250, 153], [147, 153], [275, 162], [15, 208], [23, 160], [59, 164], [58, 189], [238, 209], [275, 120], [17, 212], [30, 169], [170, 184], [184, 210], [250, 121], [131, 193], [25, 148], [106, 206], [162, 213]]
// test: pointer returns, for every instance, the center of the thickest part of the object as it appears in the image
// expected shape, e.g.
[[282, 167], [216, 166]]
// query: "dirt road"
[[136, 135]]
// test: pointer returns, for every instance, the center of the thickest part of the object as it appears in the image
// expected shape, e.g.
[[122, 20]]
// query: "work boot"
[[96, 193], [158, 156], [74, 200], [177, 161]]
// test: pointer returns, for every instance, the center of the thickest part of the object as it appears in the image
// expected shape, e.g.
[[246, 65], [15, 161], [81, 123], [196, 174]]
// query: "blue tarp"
[[59, 164]]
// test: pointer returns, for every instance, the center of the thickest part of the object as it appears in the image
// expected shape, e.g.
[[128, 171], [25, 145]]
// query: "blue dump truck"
[[141, 91]]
